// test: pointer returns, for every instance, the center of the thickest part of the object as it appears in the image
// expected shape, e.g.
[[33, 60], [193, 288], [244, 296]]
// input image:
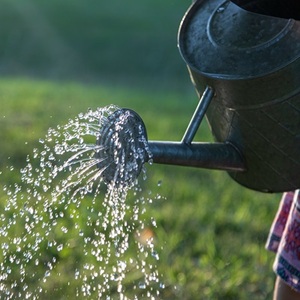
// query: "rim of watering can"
[[220, 39]]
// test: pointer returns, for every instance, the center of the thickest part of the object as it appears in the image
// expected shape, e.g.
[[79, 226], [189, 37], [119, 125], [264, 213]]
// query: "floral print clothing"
[[284, 239]]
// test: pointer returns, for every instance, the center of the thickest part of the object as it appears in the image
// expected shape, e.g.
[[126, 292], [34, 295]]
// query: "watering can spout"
[[124, 147], [218, 156]]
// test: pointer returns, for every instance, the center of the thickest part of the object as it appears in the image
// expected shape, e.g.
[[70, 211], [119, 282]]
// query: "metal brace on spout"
[[198, 116]]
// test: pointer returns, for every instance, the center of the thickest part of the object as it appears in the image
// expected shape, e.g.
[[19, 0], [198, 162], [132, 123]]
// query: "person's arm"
[[284, 292]]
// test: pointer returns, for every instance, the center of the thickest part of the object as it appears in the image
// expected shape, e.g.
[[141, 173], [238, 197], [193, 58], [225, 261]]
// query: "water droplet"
[[142, 285], [77, 274], [153, 221], [47, 273], [155, 255]]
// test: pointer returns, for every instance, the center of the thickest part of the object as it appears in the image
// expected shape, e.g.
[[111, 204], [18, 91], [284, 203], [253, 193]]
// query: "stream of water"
[[62, 221]]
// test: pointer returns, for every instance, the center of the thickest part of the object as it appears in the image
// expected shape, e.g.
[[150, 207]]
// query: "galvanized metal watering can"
[[245, 67]]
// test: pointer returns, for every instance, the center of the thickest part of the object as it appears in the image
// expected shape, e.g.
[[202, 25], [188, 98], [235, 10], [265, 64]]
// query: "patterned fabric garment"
[[284, 239]]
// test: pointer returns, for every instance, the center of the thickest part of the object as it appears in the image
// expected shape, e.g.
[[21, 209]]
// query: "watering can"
[[245, 66]]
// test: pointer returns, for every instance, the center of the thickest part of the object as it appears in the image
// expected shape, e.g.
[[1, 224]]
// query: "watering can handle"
[[198, 116]]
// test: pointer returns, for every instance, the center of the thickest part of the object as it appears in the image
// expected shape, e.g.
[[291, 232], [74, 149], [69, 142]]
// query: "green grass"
[[61, 57]]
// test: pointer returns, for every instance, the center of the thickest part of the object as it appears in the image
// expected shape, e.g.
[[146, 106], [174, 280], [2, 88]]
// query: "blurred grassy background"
[[58, 58]]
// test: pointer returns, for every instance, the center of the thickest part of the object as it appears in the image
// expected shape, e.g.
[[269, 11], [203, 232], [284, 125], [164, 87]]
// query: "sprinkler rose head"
[[122, 147]]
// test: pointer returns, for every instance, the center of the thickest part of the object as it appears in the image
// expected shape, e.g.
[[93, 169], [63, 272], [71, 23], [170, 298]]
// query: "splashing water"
[[56, 214]]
